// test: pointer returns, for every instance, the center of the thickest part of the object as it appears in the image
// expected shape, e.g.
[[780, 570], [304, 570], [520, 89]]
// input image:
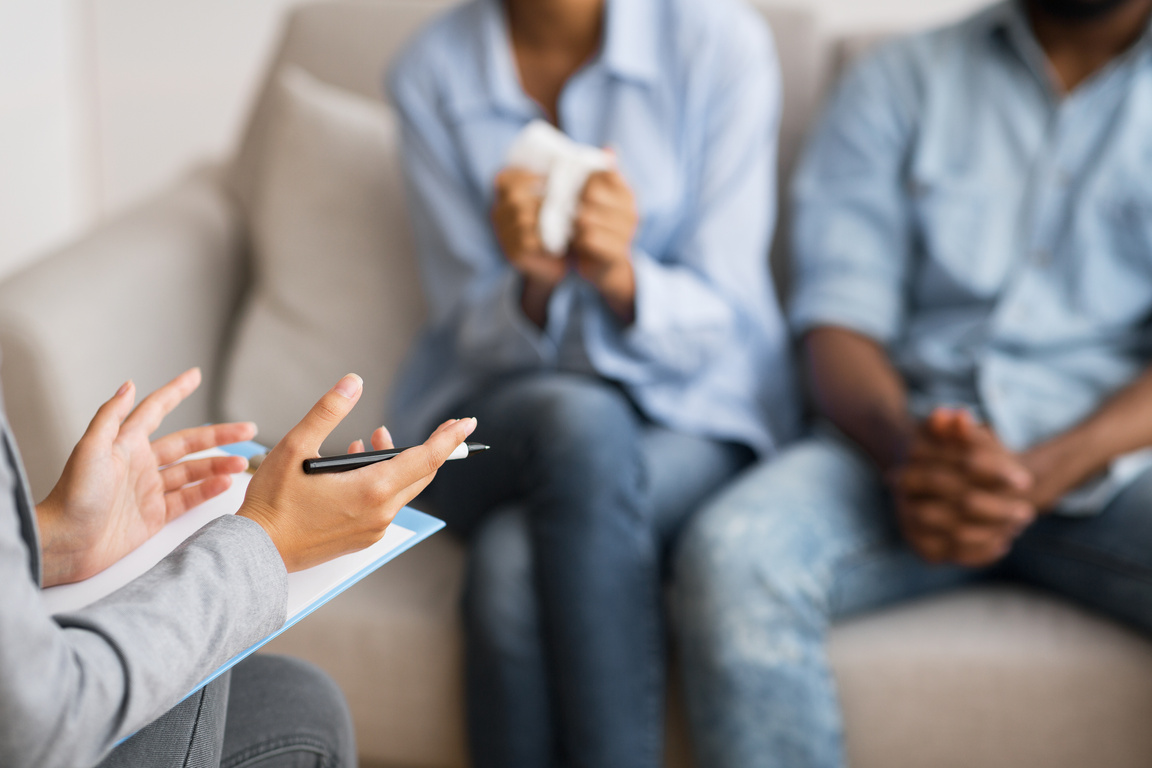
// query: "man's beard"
[[1079, 10]]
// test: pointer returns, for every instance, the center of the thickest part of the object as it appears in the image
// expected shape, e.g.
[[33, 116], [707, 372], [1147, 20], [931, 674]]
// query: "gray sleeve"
[[72, 686]]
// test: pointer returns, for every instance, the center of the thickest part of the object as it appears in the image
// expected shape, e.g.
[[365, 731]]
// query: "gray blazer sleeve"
[[73, 685]]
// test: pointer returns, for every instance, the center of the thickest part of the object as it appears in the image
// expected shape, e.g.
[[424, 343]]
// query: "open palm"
[[120, 487]]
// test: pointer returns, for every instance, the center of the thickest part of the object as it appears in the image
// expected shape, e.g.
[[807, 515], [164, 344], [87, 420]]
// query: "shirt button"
[[1042, 257]]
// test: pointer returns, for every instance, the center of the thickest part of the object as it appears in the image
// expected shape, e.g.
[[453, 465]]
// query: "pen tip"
[[476, 447]]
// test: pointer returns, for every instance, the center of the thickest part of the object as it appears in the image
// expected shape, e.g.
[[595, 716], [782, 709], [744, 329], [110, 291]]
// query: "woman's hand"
[[119, 487], [602, 240], [515, 219], [314, 518]]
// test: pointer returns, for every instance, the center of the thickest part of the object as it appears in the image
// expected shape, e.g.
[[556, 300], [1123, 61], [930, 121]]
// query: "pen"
[[349, 461]]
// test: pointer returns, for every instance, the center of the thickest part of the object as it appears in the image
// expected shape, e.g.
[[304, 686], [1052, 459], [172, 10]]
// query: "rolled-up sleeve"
[[851, 235]]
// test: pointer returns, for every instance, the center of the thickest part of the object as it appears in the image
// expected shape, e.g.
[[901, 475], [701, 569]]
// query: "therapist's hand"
[[314, 518], [117, 489]]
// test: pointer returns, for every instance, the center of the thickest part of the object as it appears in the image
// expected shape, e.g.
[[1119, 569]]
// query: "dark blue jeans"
[[569, 517]]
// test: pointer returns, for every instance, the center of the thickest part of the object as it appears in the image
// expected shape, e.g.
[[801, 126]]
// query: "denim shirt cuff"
[[837, 301]]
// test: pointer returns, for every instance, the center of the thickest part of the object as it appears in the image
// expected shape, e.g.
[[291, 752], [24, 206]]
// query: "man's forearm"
[[856, 387], [1121, 425]]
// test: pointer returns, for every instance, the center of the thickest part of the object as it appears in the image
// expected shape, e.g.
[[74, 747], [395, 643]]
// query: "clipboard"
[[307, 589]]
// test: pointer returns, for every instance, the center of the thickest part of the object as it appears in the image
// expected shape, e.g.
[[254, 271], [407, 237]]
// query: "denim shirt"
[[688, 96], [992, 232]]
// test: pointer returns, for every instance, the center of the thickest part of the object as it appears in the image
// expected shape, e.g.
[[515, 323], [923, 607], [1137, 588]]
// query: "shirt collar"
[[501, 80], [630, 50], [1010, 19]]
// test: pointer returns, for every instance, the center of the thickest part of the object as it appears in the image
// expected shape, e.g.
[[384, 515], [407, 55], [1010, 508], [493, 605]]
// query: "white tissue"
[[566, 165]]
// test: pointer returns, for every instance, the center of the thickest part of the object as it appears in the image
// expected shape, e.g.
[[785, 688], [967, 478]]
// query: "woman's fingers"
[[414, 489], [154, 408], [422, 461], [183, 499], [312, 518], [382, 439], [171, 448], [307, 436], [105, 425], [406, 495], [179, 475]]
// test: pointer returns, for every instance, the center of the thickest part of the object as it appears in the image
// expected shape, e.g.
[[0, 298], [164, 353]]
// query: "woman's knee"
[[568, 412], [576, 442]]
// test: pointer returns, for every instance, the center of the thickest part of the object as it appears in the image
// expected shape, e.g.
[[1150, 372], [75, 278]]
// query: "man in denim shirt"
[[973, 244]]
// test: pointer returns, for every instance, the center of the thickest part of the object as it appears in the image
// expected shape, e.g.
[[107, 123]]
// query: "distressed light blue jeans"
[[569, 517], [809, 538]]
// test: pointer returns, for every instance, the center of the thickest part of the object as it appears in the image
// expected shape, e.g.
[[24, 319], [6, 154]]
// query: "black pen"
[[349, 461]]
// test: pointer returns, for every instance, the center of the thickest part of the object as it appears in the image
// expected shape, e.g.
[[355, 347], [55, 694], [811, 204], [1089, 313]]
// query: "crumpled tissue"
[[542, 149]]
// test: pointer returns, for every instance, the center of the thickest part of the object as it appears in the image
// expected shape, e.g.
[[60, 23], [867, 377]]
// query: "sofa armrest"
[[145, 296]]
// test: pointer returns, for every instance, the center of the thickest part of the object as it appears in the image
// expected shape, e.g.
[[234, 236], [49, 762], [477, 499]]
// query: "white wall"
[[102, 102], [42, 169], [175, 79]]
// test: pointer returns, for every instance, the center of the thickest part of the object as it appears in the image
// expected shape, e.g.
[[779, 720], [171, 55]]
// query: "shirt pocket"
[[959, 235], [1114, 248]]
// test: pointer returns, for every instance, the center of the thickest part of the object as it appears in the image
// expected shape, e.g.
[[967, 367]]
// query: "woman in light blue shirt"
[[619, 382]]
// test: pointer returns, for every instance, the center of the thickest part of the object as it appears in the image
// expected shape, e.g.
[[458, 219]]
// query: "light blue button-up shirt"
[[688, 96], [995, 234]]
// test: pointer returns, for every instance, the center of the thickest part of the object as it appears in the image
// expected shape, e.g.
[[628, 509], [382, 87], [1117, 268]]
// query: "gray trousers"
[[268, 712]]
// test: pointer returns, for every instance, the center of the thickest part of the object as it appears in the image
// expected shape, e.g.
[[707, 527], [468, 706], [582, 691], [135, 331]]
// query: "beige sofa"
[[995, 676]]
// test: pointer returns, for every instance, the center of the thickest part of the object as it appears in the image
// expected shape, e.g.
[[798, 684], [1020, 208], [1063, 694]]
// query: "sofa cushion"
[[993, 676], [335, 284]]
